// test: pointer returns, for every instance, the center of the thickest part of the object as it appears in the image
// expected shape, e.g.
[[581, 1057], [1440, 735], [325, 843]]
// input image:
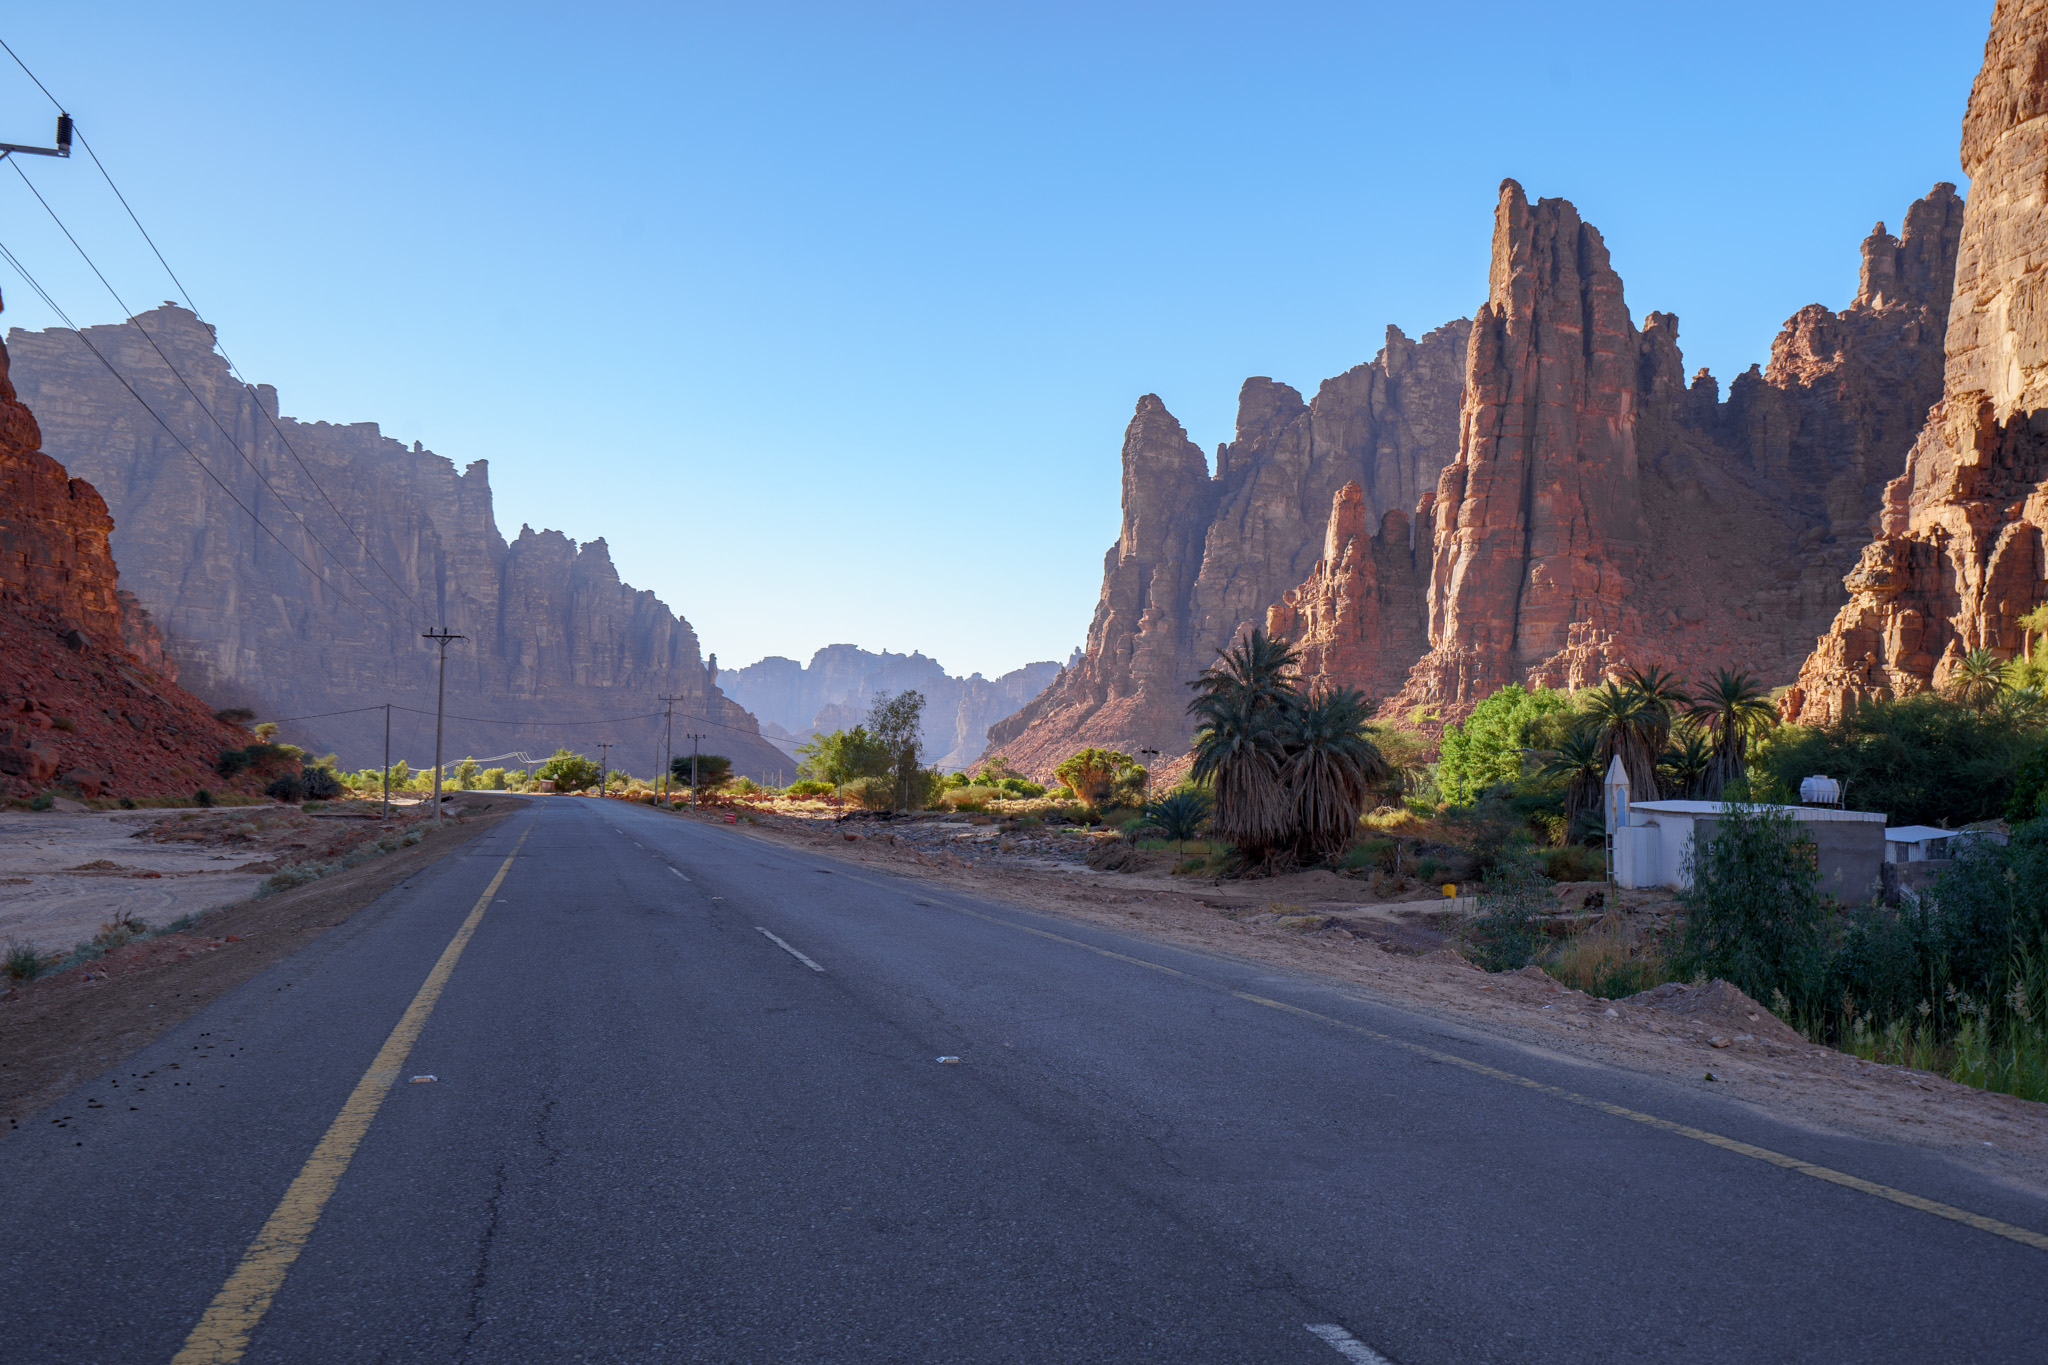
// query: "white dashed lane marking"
[[787, 949], [1348, 1346]]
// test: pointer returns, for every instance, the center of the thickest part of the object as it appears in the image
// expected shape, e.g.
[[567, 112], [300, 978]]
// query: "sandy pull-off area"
[[63, 875]]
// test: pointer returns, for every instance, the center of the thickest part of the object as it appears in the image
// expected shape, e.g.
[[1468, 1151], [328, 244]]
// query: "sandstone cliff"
[[835, 689], [1602, 511], [1959, 557], [78, 705], [557, 644], [1200, 553]]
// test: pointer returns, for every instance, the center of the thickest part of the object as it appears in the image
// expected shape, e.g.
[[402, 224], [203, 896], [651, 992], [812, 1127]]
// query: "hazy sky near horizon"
[[829, 318]]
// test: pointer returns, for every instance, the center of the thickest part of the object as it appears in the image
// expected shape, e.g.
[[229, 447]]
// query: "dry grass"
[[1611, 958]]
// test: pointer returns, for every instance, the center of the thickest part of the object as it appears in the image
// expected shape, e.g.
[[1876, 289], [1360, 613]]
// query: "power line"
[[233, 368], [204, 407], [51, 304]]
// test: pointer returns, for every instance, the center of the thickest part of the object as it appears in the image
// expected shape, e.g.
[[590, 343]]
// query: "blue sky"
[[829, 318]]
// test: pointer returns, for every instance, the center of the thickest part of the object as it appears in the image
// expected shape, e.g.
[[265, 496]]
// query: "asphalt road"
[[656, 1134]]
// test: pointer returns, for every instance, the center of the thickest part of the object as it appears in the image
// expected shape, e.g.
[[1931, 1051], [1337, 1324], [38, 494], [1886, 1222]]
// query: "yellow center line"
[[223, 1333]]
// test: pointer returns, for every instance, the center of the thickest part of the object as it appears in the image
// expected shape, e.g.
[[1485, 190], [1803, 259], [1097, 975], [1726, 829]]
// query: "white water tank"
[[1820, 791]]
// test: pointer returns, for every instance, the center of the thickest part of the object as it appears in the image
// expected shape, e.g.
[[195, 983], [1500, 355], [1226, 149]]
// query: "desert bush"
[[1506, 933], [1099, 775], [260, 757], [23, 963], [1611, 959], [874, 792], [808, 786], [1573, 863], [42, 801]]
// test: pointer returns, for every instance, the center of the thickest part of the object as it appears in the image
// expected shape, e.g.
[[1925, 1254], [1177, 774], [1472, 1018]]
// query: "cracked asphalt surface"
[[656, 1136]]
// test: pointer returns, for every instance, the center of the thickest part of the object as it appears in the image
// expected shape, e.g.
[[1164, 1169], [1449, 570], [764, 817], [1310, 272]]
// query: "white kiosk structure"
[[1652, 841]]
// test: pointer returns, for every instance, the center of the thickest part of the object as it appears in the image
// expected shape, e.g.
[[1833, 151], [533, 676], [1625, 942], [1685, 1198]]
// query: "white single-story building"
[[1652, 849], [1916, 843]]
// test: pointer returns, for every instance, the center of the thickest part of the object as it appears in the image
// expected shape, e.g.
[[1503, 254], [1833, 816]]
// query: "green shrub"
[[809, 786], [570, 772], [493, 779], [1753, 913], [42, 801], [1574, 863], [877, 791]]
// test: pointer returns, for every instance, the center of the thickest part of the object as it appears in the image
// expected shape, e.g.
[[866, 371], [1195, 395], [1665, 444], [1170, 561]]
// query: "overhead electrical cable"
[[51, 304], [204, 407], [186, 294]]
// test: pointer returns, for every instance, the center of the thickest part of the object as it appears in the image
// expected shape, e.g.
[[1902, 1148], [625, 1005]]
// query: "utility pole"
[[1154, 753], [445, 638], [604, 770], [63, 147], [668, 745], [693, 738], [387, 762]]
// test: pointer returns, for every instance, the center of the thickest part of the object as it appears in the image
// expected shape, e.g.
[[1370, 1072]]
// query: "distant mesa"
[[795, 701]]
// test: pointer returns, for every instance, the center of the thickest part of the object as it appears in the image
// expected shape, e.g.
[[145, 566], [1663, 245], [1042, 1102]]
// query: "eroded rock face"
[[555, 639], [1362, 615], [1201, 555], [1958, 558], [85, 698], [1605, 512]]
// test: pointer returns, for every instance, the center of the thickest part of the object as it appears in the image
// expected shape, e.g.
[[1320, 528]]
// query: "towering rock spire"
[[1959, 557], [1539, 515]]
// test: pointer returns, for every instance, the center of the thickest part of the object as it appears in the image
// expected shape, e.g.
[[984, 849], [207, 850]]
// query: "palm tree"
[[1734, 708], [1617, 715], [1664, 698], [1179, 814], [1978, 680], [1259, 667], [1330, 770], [1581, 761], [1688, 761], [1238, 751]]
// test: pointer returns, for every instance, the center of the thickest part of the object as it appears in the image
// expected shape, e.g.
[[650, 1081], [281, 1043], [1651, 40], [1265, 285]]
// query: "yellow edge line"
[[2024, 1236], [223, 1333]]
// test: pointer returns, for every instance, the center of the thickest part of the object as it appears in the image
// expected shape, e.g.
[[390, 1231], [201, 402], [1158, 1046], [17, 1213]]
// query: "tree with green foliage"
[[1920, 760], [1687, 762], [568, 771], [1489, 746], [1095, 775], [466, 774], [492, 780], [896, 724], [840, 756], [712, 770]]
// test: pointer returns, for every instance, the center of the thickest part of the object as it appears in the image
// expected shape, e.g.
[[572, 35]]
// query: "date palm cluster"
[[1290, 771], [1671, 739]]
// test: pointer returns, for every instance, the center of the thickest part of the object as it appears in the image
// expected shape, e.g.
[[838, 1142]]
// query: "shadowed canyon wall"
[[556, 640], [1959, 555]]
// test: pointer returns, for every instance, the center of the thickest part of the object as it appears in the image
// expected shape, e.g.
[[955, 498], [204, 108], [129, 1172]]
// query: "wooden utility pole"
[[387, 762], [604, 770], [668, 744], [445, 638]]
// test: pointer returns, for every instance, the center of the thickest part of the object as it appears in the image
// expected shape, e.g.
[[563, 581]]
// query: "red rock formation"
[[1958, 558], [77, 706], [1201, 555], [1360, 620]]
